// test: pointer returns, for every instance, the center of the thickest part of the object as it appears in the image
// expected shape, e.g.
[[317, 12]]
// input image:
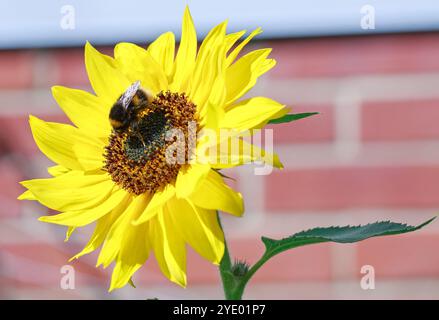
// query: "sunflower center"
[[149, 135], [136, 158]]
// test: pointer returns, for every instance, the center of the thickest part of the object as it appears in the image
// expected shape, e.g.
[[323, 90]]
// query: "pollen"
[[136, 159]]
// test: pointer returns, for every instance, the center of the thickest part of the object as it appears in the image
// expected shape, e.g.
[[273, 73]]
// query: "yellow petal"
[[107, 81], [199, 228], [243, 153], [230, 153], [134, 251], [214, 141], [83, 109], [89, 152], [243, 74], [212, 113], [27, 195], [189, 178], [232, 38], [158, 200], [119, 228], [55, 140], [162, 50], [232, 56], [213, 41], [103, 225], [214, 194], [138, 64], [81, 218], [69, 233], [57, 170], [209, 66], [71, 191], [251, 113], [187, 51], [96, 239], [169, 248]]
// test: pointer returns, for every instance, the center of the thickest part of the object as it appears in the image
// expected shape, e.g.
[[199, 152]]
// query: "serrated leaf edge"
[[404, 228]]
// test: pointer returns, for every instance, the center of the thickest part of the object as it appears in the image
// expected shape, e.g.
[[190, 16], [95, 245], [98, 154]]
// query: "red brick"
[[318, 128], [409, 255], [343, 56], [16, 136], [16, 283], [400, 120], [40, 263], [10, 189], [69, 67], [346, 187], [16, 69], [47, 253]]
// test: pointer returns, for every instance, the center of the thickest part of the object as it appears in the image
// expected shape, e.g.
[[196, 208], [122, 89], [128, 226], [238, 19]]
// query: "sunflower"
[[142, 204]]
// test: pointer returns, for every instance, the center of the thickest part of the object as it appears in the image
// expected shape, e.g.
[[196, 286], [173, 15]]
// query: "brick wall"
[[371, 154]]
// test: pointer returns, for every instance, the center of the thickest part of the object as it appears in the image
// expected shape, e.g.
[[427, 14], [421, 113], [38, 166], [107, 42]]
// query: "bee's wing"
[[128, 95]]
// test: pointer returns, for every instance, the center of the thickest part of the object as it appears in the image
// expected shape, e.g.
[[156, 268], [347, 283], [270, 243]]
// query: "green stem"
[[233, 285], [230, 284], [242, 283]]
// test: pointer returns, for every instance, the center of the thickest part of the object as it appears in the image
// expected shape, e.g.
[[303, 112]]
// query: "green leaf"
[[292, 117], [347, 234]]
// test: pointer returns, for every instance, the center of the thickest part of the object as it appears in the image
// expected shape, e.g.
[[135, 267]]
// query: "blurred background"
[[371, 68]]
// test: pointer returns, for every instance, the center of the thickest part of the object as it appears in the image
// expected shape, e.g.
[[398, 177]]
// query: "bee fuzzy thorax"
[[125, 110]]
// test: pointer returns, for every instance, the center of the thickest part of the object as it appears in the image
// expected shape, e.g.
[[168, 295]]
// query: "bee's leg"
[[135, 130], [141, 139]]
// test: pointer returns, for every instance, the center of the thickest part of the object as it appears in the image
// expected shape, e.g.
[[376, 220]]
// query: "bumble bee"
[[124, 112]]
